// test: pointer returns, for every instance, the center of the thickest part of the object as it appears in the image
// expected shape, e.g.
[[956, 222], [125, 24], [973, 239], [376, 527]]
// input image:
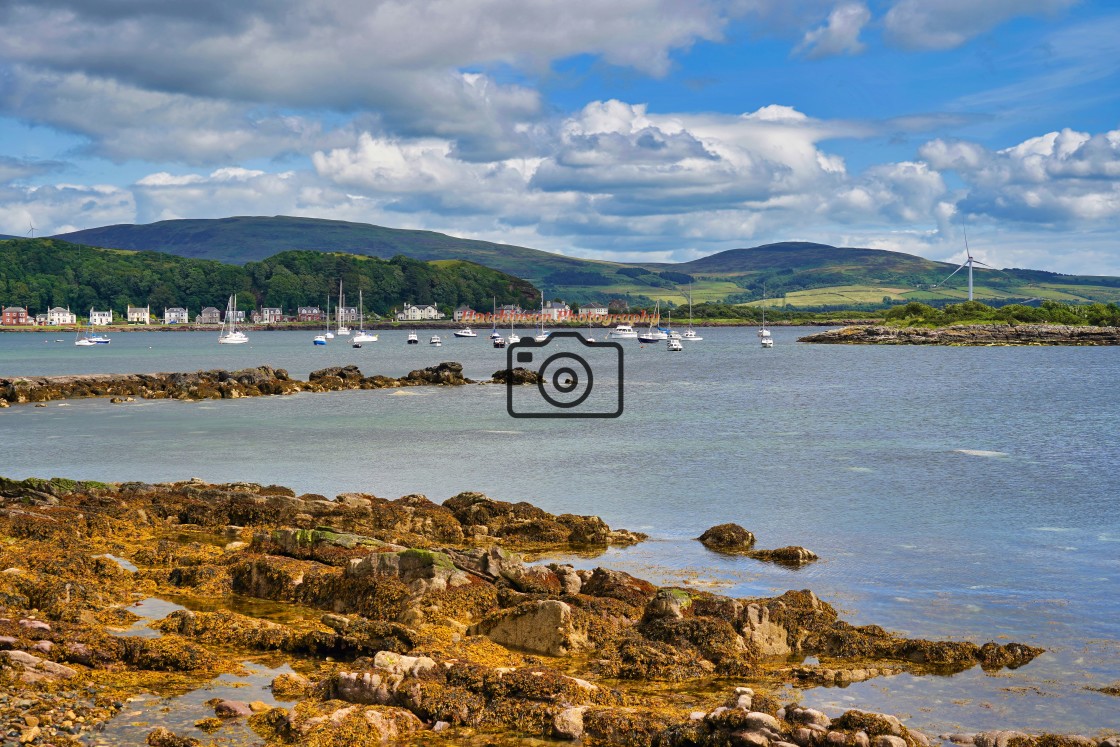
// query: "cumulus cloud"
[[920, 24], [1060, 178], [840, 35], [63, 207]]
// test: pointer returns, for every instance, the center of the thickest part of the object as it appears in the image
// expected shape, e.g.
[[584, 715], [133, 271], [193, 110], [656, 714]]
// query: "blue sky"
[[638, 129]]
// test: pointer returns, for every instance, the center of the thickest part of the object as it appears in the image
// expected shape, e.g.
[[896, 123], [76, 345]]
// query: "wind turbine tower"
[[970, 261]]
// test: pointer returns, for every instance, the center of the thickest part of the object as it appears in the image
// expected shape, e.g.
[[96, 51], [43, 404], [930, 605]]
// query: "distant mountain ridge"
[[795, 272]]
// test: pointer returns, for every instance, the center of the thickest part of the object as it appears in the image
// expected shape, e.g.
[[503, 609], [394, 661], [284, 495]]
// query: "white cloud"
[[944, 24], [62, 207], [1061, 178], [840, 35]]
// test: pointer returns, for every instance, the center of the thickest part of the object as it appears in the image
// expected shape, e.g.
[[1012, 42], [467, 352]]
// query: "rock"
[[518, 376], [400, 664], [289, 686], [970, 334], [888, 740], [669, 604], [727, 538], [42, 647], [999, 738], [35, 669], [770, 637], [792, 555], [747, 738], [368, 688], [32, 625], [618, 585], [958, 738], [162, 737], [756, 720], [259, 706], [232, 709], [547, 627], [808, 716], [568, 723]]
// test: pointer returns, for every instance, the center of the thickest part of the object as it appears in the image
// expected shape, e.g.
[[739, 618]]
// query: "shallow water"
[[950, 492]]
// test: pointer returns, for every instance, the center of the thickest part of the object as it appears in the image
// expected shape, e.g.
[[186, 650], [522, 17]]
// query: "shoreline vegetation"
[[411, 622]]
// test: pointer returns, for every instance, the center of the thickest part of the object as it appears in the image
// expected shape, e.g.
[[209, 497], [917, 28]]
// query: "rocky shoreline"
[[222, 384], [412, 622], [970, 334]]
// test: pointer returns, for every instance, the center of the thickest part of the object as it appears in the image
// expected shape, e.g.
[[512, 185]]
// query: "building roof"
[[15, 308]]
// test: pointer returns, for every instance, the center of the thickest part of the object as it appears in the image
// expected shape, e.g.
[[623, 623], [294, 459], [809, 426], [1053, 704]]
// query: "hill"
[[42, 273], [797, 274]]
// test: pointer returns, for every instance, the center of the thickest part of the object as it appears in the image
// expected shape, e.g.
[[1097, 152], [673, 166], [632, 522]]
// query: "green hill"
[[798, 274], [42, 273]]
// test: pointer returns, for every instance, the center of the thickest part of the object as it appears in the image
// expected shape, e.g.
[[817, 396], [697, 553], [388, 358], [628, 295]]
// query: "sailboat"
[[513, 336], [651, 334], [362, 335], [543, 336], [229, 334], [328, 335], [342, 328], [494, 333], [673, 334], [764, 337], [83, 339], [690, 333]]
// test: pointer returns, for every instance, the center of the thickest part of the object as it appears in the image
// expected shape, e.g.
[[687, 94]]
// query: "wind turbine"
[[970, 262], [31, 230]]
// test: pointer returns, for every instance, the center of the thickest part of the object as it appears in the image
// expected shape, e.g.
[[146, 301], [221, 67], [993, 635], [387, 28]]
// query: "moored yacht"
[[623, 332], [465, 332], [412, 338], [435, 340]]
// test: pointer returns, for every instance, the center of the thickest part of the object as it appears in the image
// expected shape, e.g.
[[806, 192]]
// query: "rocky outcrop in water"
[[216, 384], [411, 616], [970, 334]]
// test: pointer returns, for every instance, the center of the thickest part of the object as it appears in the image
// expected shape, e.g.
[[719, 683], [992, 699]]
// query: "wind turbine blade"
[[982, 264], [951, 274]]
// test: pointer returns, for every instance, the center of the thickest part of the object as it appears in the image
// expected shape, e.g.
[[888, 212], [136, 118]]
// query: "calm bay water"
[[950, 492]]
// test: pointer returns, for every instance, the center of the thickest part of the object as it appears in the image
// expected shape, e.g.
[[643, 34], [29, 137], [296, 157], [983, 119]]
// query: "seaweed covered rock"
[[727, 538], [792, 555]]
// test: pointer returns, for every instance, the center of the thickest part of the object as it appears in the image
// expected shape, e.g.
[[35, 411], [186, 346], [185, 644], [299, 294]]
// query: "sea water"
[[965, 493]]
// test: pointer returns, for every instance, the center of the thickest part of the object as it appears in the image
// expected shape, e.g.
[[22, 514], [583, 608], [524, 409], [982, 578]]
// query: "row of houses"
[[556, 311]]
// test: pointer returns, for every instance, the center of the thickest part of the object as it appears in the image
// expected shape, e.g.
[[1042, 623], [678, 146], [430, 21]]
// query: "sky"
[[656, 130]]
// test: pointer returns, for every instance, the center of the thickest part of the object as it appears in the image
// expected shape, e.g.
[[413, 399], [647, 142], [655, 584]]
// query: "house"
[[421, 313], [40, 320], [461, 313], [139, 315], [594, 308], [59, 316], [270, 314], [557, 310], [310, 314], [176, 315], [237, 315], [14, 315], [100, 318], [209, 315], [346, 314], [510, 310]]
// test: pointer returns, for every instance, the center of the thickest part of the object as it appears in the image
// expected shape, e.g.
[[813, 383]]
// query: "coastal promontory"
[[969, 334]]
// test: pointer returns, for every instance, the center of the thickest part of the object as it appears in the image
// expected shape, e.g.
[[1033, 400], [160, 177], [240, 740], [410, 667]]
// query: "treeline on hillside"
[[973, 312], [39, 274]]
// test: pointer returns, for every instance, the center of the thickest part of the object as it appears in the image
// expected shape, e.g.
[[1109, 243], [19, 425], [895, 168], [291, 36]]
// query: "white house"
[[557, 310], [419, 313], [100, 318], [176, 315], [58, 316], [139, 315], [593, 308]]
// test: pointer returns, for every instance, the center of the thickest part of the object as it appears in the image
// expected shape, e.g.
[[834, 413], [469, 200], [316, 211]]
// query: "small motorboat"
[[320, 340], [412, 338], [499, 342], [674, 344], [355, 344], [465, 332], [435, 340]]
